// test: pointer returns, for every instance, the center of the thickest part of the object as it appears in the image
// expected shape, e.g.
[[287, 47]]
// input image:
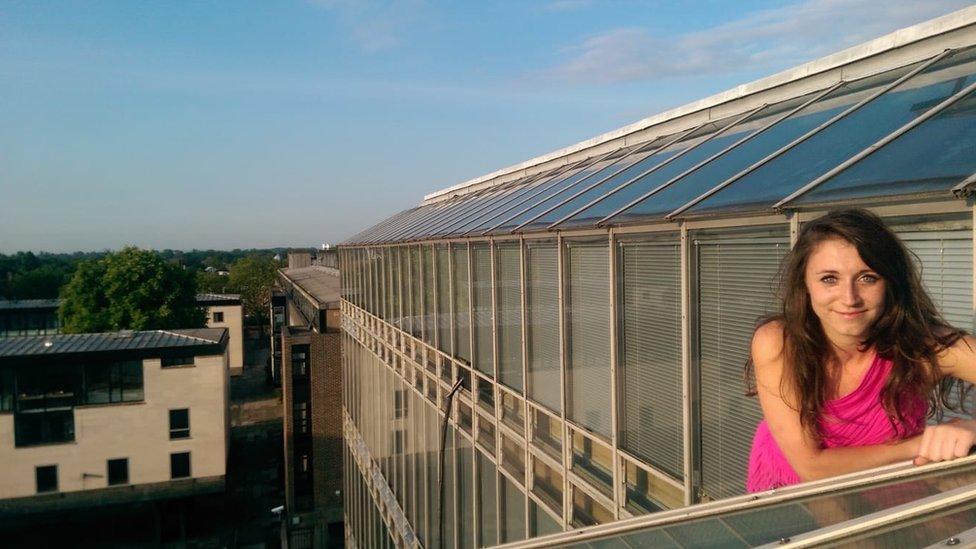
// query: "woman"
[[856, 360]]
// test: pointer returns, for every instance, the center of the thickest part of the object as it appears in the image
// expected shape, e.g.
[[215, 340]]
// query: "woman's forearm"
[[831, 462]]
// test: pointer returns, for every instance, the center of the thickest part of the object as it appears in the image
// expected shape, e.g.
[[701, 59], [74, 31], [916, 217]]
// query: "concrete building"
[[309, 343], [110, 418], [40, 317], [596, 304], [226, 311]]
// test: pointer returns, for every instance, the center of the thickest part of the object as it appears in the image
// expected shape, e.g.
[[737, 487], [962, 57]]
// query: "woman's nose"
[[852, 297]]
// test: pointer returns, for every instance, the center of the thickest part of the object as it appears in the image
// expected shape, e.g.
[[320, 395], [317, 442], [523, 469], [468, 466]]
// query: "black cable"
[[440, 483]]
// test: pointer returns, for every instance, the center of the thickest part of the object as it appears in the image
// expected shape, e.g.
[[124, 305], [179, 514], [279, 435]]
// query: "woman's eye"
[[828, 279], [870, 279]]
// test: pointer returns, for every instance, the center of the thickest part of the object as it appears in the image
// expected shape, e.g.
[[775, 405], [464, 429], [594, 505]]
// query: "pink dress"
[[857, 419]]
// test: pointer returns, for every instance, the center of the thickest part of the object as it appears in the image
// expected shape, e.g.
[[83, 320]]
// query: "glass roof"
[[643, 163], [563, 190], [841, 140], [947, 142], [699, 156], [900, 134]]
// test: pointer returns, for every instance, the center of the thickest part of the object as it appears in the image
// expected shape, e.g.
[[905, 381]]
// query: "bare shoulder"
[[767, 343], [959, 359]]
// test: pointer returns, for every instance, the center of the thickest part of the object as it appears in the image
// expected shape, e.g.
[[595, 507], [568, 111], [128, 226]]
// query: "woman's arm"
[[805, 455], [954, 439]]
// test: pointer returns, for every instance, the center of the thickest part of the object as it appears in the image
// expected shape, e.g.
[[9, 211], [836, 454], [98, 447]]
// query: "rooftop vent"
[[125, 333], [48, 343]]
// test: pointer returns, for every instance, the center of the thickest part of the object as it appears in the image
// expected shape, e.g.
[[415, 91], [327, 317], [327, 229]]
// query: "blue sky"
[[251, 124]]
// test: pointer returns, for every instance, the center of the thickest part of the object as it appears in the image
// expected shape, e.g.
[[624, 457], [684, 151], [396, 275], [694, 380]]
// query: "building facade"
[[226, 311], [95, 419], [597, 303], [308, 340]]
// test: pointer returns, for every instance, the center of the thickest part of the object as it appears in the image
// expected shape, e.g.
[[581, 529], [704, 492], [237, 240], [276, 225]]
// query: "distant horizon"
[[184, 250]]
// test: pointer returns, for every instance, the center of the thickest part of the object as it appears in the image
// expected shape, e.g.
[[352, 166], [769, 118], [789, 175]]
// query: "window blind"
[[649, 291], [443, 299], [588, 334], [462, 316], [509, 317], [481, 304], [542, 331], [736, 285]]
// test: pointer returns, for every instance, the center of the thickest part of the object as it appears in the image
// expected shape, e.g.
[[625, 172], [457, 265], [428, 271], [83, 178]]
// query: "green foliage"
[[252, 277], [130, 289]]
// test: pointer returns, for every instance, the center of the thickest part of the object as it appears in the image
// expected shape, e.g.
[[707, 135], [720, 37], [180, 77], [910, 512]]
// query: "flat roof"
[[12, 304], [322, 284], [219, 299], [143, 342]]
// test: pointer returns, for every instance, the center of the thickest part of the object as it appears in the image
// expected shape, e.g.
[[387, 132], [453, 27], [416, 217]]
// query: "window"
[[218, 316], [113, 382], [179, 423], [399, 404], [47, 478], [118, 471], [50, 427], [170, 361], [179, 465], [299, 360], [301, 417]]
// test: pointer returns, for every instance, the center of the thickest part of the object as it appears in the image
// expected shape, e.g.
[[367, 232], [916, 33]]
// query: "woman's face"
[[846, 294]]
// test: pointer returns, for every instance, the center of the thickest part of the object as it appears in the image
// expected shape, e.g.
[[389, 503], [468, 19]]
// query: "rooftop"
[[11, 304], [320, 283], [150, 340], [219, 299]]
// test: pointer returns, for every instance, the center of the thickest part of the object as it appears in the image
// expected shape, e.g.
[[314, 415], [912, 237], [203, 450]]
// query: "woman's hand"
[[946, 441]]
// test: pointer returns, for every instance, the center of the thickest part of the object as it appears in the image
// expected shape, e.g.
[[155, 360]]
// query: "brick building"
[[308, 340]]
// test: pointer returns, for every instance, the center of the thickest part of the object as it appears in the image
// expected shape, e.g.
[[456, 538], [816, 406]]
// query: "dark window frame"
[[177, 361], [174, 464], [179, 432], [218, 316], [121, 472], [47, 487]]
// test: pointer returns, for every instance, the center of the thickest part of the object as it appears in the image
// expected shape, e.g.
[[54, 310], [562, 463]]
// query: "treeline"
[[26, 275]]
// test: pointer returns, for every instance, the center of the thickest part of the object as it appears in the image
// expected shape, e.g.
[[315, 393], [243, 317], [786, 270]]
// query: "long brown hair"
[[910, 331]]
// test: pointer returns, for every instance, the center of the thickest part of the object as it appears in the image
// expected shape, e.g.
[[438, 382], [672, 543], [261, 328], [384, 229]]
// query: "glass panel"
[[645, 493], [543, 187], [845, 138], [693, 149], [772, 522], [513, 412], [547, 484], [588, 334], [444, 319], [651, 418], [462, 316], [508, 260], [430, 312], [513, 512], [737, 278], [513, 457], [587, 511], [486, 434], [935, 156], [771, 136], [465, 483], [542, 331], [935, 528], [527, 187], [593, 462], [416, 290], [547, 435], [474, 209], [541, 523], [481, 304], [559, 192], [487, 499]]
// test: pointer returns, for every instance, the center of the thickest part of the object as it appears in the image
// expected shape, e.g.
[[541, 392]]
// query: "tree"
[[252, 277], [130, 289]]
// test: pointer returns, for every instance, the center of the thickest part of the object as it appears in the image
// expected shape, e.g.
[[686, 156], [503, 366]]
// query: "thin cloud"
[[767, 39], [566, 5], [374, 25]]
